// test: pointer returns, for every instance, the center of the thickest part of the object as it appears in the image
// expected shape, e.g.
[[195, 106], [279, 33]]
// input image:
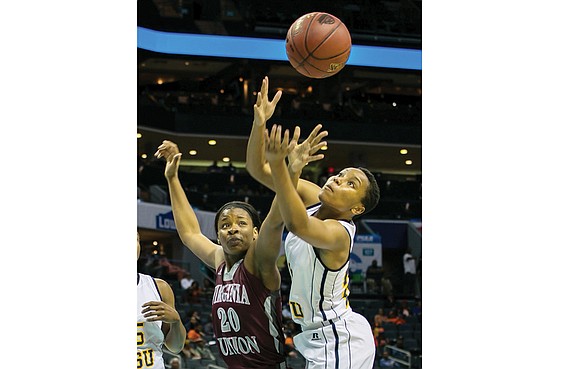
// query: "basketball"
[[318, 45]]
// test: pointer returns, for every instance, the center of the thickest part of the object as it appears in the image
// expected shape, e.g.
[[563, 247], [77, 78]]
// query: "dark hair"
[[239, 205], [371, 198]]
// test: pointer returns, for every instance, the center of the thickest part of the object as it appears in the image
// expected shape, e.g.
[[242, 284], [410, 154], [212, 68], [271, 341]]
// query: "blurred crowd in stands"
[[209, 188], [396, 322]]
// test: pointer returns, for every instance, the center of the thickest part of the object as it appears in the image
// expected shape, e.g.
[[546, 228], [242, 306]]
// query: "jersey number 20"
[[228, 321]]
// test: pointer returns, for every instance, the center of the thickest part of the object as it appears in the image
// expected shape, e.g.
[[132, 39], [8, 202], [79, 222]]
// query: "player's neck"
[[232, 259], [326, 212]]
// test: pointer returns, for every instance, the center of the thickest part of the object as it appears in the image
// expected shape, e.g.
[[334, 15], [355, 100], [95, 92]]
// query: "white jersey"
[[150, 337], [317, 293], [333, 336]]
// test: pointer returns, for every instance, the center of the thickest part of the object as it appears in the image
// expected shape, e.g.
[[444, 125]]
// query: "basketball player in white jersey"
[[158, 322], [318, 250]]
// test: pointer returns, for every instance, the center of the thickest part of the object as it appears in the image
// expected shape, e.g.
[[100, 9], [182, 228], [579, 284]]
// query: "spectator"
[[196, 333], [186, 281], [394, 318], [375, 277], [207, 289], [379, 335], [201, 347], [190, 352], [410, 273], [400, 344], [170, 270], [380, 317], [175, 363], [387, 362], [194, 318], [405, 310], [208, 327], [193, 294]]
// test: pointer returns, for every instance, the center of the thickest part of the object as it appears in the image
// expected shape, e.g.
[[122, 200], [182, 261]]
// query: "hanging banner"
[[366, 248], [160, 217]]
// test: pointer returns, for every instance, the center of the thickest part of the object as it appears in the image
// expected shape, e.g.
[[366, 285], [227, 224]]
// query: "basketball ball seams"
[[306, 34], [318, 69], [323, 41], [311, 53], [332, 57], [295, 48]]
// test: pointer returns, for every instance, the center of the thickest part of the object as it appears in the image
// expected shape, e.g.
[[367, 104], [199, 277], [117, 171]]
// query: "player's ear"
[[357, 210], [255, 232]]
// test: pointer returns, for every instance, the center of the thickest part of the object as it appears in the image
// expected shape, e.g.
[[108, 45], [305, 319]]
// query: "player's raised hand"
[[276, 147], [170, 152], [263, 108], [302, 154], [159, 311]]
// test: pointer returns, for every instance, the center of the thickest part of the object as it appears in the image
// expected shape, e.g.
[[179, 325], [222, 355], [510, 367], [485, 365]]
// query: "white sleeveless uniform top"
[[317, 294], [149, 334]]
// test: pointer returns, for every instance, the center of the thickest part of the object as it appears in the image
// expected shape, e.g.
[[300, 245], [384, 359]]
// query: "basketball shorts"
[[343, 343]]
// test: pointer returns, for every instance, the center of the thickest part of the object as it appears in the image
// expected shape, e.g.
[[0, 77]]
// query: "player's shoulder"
[[164, 287]]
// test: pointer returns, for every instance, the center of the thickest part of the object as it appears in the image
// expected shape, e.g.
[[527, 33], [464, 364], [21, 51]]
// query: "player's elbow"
[[175, 347], [296, 227]]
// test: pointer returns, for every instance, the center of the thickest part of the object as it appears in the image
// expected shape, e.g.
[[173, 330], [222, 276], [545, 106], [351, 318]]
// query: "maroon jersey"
[[247, 320]]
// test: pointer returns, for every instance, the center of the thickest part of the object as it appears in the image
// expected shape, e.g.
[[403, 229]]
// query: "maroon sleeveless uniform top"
[[247, 320]]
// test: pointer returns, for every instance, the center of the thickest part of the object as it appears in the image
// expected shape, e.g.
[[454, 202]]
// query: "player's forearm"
[[289, 201], [185, 219], [175, 339], [294, 177], [256, 163], [270, 240]]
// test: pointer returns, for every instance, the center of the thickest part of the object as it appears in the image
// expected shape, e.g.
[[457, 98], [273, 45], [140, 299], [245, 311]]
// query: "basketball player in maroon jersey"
[[246, 305]]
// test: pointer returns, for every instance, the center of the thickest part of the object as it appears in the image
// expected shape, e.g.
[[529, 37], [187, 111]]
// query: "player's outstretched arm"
[[164, 311], [324, 234], [185, 220], [265, 254], [256, 163]]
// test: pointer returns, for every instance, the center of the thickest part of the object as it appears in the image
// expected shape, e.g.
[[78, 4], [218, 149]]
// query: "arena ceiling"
[[212, 74]]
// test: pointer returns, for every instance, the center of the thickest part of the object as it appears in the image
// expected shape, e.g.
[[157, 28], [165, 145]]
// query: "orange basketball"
[[318, 45]]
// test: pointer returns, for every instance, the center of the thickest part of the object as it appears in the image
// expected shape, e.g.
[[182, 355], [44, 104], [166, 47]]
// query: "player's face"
[[236, 231], [345, 190]]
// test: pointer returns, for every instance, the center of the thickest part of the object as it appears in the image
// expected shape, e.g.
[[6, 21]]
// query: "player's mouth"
[[232, 241]]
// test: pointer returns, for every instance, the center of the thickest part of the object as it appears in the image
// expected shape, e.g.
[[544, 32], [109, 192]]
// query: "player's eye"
[[350, 183], [225, 225]]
